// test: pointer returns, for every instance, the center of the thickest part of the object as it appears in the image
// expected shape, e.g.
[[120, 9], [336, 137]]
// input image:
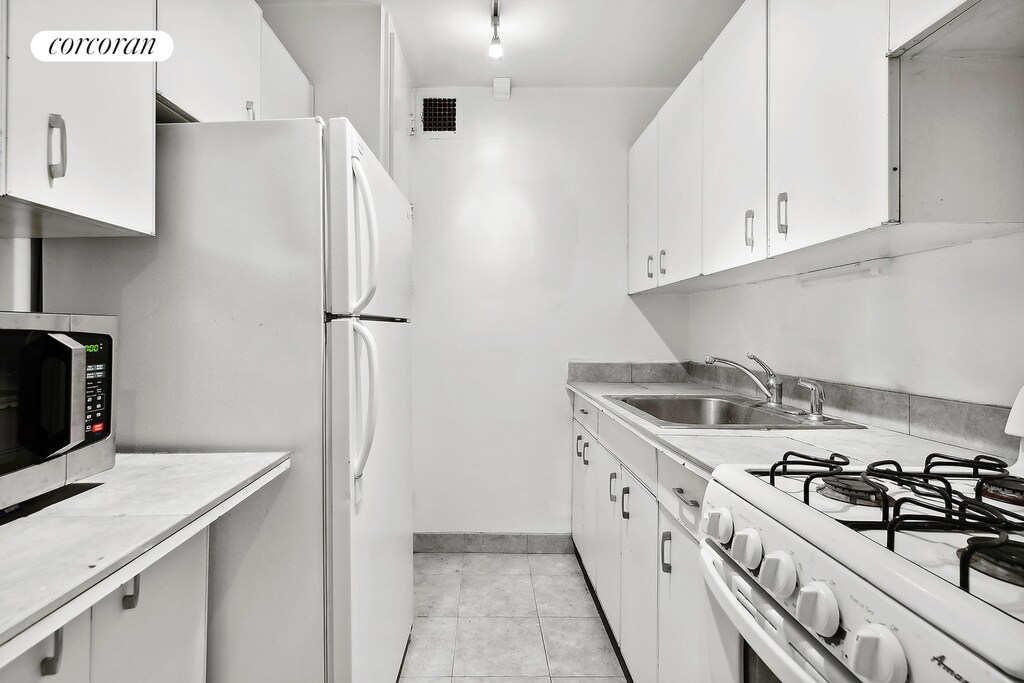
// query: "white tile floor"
[[487, 618]]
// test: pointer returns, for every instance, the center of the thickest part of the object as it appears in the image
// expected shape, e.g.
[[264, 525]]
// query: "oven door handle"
[[781, 662]]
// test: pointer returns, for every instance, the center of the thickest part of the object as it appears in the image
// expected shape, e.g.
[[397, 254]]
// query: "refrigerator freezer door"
[[221, 347], [369, 231], [370, 536]]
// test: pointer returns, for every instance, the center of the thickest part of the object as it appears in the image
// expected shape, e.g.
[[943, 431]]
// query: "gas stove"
[[899, 574]]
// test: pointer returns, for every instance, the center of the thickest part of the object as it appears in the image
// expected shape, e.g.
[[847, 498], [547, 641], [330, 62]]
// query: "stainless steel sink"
[[720, 412]]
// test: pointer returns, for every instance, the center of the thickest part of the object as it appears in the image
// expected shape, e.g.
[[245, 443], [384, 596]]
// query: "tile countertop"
[[709, 448], [54, 554]]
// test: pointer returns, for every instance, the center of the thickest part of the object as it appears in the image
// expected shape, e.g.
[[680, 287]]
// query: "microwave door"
[[51, 394]]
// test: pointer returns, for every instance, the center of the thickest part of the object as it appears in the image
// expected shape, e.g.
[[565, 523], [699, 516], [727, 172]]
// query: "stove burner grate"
[[853, 489], [1003, 561]]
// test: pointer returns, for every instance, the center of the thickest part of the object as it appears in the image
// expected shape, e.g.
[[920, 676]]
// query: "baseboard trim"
[[514, 543]]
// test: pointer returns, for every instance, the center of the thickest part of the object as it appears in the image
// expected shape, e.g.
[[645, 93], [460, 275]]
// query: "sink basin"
[[719, 412]]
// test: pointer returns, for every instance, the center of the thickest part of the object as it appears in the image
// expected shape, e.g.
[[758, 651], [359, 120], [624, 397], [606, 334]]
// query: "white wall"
[[338, 47], [15, 274], [947, 323], [519, 266]]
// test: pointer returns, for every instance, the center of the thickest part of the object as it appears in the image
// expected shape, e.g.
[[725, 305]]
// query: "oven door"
[[759, 642]]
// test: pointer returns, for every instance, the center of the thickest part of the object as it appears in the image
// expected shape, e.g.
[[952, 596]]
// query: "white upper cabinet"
[[828, 120], [214, 72], [80, 137], [285, 92], [643, 211], [680, 129], [735, 142], [908, 18]]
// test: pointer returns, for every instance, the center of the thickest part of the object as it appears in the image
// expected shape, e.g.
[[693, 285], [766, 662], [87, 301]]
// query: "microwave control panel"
[[98, 353]]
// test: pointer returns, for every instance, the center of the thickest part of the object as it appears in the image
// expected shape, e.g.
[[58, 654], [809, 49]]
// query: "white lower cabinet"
[[580, 492], [680, 591], [642, 563], [638, 628], [159, 634], [152, 629], [72, 664], [606, 513]]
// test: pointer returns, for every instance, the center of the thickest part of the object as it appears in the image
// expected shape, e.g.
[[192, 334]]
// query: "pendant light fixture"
[[495, 52]]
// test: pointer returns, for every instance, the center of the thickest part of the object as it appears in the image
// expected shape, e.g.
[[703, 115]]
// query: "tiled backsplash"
[[970, 425]]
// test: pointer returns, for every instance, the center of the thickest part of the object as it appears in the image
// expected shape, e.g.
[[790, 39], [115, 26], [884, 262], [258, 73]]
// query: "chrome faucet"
[[817, 399], [772, 391]]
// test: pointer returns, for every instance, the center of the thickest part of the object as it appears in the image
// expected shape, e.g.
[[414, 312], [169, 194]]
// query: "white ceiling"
[[582, 43]]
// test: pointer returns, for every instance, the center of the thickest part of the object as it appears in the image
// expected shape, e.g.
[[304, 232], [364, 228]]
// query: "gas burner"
[[1007, 489], [1003, 561], [853, 489]]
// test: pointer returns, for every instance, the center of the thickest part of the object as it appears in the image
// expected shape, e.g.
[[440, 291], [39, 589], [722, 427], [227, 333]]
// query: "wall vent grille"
[[439, 115]]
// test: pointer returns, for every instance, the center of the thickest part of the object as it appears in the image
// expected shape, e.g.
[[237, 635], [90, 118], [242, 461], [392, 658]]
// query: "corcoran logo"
[[102, 46], [940, 660]]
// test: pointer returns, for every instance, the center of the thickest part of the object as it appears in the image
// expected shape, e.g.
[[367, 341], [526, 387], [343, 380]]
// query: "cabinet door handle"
[[650, 264], [748, 228], [661, 261], [250, 109], [58, 170], [666, 537], [50, 666], [783, 222], [131, 601], [689, 502], [611, 482], [625, 492], [586, 445], [579, 438]]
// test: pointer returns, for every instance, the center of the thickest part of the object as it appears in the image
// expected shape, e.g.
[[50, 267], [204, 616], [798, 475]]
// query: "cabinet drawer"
[[635, 453], [585, 413], [680, 491]]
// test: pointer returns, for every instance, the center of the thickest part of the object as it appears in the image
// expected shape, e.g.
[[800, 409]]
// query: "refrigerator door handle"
[[362, 183], [370, 426]]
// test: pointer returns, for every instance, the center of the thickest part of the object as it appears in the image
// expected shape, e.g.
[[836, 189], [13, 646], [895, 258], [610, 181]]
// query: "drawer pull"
[[666, 537], [611, 482], [625, 492], [681, 495], [50, 666], [584, 411], [131, 601]]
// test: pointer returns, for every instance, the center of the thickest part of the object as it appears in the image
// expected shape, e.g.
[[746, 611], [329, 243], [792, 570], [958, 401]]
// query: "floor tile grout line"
[[540, 625]]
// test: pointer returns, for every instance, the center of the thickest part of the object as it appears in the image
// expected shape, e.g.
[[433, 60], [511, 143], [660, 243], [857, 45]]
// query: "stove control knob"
[[747, 548], [817, 609], [877, 656], [718, 524], [778, 574]]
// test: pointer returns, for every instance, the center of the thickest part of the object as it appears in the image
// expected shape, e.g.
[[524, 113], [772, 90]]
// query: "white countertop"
[[55, 554], [709, 448]]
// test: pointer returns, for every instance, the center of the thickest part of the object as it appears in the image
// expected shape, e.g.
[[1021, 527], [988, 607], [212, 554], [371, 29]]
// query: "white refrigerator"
[[271, 311]]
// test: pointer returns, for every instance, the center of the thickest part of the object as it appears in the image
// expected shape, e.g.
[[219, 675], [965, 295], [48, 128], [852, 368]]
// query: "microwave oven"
[[56, 401]]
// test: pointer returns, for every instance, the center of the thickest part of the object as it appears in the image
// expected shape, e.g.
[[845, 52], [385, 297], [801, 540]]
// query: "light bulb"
[[495, 51]]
